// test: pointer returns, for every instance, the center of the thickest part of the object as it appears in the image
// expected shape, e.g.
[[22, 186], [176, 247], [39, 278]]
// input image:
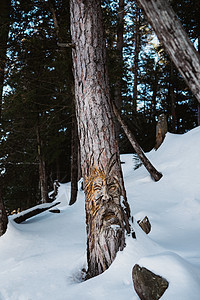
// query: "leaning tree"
[[171, 34], [106, 219]]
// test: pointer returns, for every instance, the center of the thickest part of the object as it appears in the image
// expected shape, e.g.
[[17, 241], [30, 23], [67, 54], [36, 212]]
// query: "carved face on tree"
[[103, 195]]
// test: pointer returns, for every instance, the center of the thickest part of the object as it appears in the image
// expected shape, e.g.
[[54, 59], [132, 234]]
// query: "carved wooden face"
[[103, 196]]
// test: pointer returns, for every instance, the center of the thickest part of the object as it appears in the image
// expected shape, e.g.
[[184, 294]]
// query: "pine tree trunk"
[[100, 161], [172, 96], [136, 57], [120, 44], [3, 217], [4, 29], [42, 167], [74, 161], [175, 40]]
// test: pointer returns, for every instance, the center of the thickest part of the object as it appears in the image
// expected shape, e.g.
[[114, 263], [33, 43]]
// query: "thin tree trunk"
[[3, 217], [175, 40], [172, 96], [74, 161], [42, 166], [136, 57], [120, 44], [156, 176], [4, 29], [101, 170], [155, 89]]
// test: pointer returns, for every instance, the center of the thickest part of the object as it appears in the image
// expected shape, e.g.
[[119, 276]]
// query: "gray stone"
[[148, 285]]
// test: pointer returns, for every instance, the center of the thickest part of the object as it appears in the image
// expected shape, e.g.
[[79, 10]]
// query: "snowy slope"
[[43, 257]]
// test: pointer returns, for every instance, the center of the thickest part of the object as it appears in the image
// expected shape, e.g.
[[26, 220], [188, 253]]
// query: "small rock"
[[145, 225], [148, 285]]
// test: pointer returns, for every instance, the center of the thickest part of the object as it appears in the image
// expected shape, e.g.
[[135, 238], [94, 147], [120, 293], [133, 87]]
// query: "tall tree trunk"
[[4, 29], [136, 56], [155, 90], [120, 44], [101, 170], [42, 166], [3, 217], [172, 96], [74, 161], [175, 40]]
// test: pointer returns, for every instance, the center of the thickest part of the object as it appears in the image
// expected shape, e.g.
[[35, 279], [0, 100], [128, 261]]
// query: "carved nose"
[[106, 197]]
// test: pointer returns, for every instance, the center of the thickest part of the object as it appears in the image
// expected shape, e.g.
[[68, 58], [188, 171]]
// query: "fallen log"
[[33, 212]]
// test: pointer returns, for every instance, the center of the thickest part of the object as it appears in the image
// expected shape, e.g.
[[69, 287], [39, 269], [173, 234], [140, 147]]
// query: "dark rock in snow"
[[148, 285], [145, 225], [55, 210]]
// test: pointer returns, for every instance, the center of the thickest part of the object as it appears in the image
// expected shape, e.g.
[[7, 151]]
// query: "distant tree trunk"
[[4, 29], [42, 166], [101, 170], [175, 40], [136, 57], [173, 98], [155, 89], [74, 161], [120, 44], [161, 130], [3, 217], [156, 176]]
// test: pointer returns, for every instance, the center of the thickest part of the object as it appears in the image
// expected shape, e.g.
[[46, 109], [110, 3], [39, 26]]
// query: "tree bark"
[[172, 96], [3, 217], [4, 29], [42, 166], [101, 170], [74, 161], [175, 40], [156, 176], [136, 57]]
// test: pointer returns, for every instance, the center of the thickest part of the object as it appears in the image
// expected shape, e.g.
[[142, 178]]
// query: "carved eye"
[[112, 187], [97, 187]]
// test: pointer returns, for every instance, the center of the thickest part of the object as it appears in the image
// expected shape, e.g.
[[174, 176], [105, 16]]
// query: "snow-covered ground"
[[43, 257]]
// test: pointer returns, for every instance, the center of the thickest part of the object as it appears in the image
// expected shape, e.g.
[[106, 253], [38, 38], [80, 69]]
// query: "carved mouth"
[[110, 218]]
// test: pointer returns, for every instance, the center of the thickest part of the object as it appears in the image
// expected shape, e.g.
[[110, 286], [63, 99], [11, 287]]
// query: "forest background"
[[36, 84]]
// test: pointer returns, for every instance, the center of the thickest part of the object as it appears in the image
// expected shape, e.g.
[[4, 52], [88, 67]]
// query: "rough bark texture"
[[3, 217], [148, 285], [148, 165], [175, 40], [4, 29], [100, 162]]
